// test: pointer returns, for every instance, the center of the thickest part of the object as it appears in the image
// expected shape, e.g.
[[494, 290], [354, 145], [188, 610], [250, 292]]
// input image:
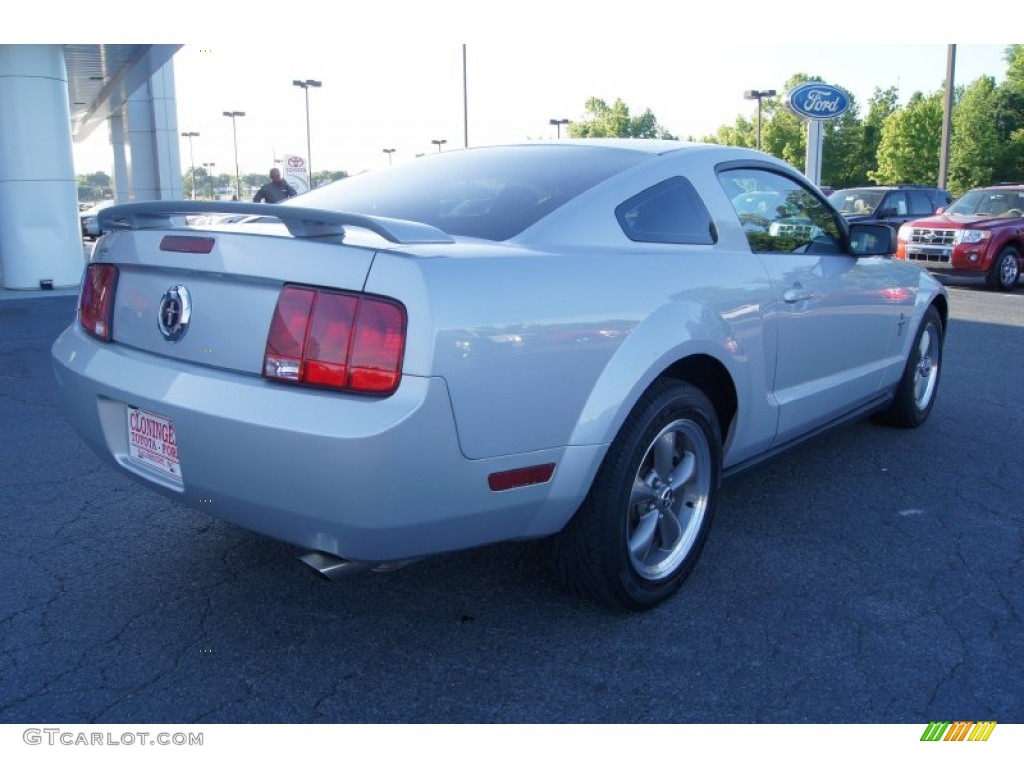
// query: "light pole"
[[558, 124], [465, 101], [209, 175], [192, 160], [439, 142], [234, 131], [758, 95], [389, 153], [306, 85]]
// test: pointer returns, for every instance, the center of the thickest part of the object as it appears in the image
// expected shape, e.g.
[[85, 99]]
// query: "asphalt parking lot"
[[873, 576]]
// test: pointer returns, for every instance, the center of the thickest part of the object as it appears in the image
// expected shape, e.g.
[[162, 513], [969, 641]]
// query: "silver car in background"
[[574, 339]]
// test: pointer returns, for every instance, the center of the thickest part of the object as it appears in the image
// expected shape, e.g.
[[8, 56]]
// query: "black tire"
[[639, 532], [919, 385], [1005, 270]]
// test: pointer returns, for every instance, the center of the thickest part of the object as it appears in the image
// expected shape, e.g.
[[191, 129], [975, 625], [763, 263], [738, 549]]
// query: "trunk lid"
[[206, 294]]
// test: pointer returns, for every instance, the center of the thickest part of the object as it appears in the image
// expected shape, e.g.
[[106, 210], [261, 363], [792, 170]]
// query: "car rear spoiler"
[[301, 222]]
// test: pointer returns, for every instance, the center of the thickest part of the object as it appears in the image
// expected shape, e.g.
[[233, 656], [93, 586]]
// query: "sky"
[[391, 78]]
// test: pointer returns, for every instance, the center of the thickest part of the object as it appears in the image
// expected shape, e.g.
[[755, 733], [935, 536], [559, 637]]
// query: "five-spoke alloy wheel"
[[642, 526], [915, 395]]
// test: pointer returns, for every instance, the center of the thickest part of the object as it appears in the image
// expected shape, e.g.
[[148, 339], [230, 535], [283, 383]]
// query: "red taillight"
[[96, 300], [338, 340]]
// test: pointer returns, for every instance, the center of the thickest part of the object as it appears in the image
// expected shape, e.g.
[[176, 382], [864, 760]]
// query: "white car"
[[572, 339], [89, 219]]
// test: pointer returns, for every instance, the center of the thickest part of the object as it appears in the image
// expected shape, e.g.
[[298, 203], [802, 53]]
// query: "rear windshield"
[[491, 193]]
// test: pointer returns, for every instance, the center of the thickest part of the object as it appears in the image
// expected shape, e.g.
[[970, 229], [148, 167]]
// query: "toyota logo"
[[175, 312]]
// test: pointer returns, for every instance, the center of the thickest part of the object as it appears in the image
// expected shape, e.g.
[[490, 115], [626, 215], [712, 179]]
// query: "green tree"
[[202, 183], [1008, 116], [98, 179], [326, 177], [94, 186], [881, 104], [742, 133], [909, 149], [615, 121], [975, 151], [254, 180], [842, 144], [783, 134]]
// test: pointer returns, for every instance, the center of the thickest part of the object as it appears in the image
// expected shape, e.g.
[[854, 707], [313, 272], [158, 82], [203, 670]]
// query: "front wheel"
[[1005, 271], [916, 393], [641, 528]]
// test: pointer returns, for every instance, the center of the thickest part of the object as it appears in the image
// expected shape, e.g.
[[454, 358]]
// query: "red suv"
[[981, 234]]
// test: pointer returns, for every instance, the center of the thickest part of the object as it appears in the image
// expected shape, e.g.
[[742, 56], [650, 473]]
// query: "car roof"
[[647, 146], [889, 187]]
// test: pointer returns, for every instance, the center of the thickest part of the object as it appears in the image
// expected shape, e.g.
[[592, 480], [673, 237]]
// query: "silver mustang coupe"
[[572, 339]]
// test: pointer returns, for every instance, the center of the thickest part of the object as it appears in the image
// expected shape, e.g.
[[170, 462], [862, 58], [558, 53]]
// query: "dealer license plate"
[[151, 442]]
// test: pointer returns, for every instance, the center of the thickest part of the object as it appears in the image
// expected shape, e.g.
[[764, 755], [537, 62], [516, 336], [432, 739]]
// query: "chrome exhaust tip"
[[334, 568]]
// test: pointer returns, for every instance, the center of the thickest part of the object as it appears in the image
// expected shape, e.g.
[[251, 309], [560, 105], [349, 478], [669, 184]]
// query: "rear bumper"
[[366, 479]]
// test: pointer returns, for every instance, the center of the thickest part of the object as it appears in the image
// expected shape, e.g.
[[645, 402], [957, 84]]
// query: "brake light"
[[338, 340], [96, 300], [186, 244]]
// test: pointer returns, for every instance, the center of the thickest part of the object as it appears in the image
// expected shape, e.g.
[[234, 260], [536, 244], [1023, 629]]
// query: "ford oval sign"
[[817, 101]]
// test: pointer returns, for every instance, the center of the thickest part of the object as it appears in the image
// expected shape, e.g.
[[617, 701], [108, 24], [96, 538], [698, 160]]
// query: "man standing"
[[275, 190]]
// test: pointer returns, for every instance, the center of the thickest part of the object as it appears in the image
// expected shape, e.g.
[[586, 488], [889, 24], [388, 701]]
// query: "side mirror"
[[872, 240], [940, 209]]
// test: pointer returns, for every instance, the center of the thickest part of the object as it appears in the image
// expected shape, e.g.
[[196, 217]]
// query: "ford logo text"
[[817, 101]]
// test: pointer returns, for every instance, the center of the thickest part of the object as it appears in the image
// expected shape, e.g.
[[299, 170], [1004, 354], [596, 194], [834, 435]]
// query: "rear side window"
[[669, 212], [921, 203]]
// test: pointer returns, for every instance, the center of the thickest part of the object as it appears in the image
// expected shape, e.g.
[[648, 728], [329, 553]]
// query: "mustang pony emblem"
[[175, 312]]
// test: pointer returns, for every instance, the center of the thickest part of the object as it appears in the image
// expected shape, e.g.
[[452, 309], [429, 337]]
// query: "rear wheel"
[[920, 383], [641, 528], [1005, 271]]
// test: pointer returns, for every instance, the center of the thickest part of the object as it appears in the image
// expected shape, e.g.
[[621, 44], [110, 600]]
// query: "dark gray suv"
[[894, 206]]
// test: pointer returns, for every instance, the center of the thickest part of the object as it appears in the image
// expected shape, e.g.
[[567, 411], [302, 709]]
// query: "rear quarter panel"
[[543, 347]]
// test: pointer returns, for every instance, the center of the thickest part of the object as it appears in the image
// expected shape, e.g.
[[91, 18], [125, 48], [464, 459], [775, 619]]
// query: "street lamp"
[[758, 95], [192, 160], [234, 131], [209, 175], [306, 85], [439, 142], [558, 124], [389, 152]]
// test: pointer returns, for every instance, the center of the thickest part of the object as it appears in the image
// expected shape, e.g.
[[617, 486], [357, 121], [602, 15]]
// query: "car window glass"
[[920, 203], [795, 222], [897, 201], [669, 212], [484, 192]]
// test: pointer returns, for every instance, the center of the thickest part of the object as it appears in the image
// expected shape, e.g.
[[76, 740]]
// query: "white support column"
[[165, 133], [141, 146], [122, 179], [40, 236], [152, 122]]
